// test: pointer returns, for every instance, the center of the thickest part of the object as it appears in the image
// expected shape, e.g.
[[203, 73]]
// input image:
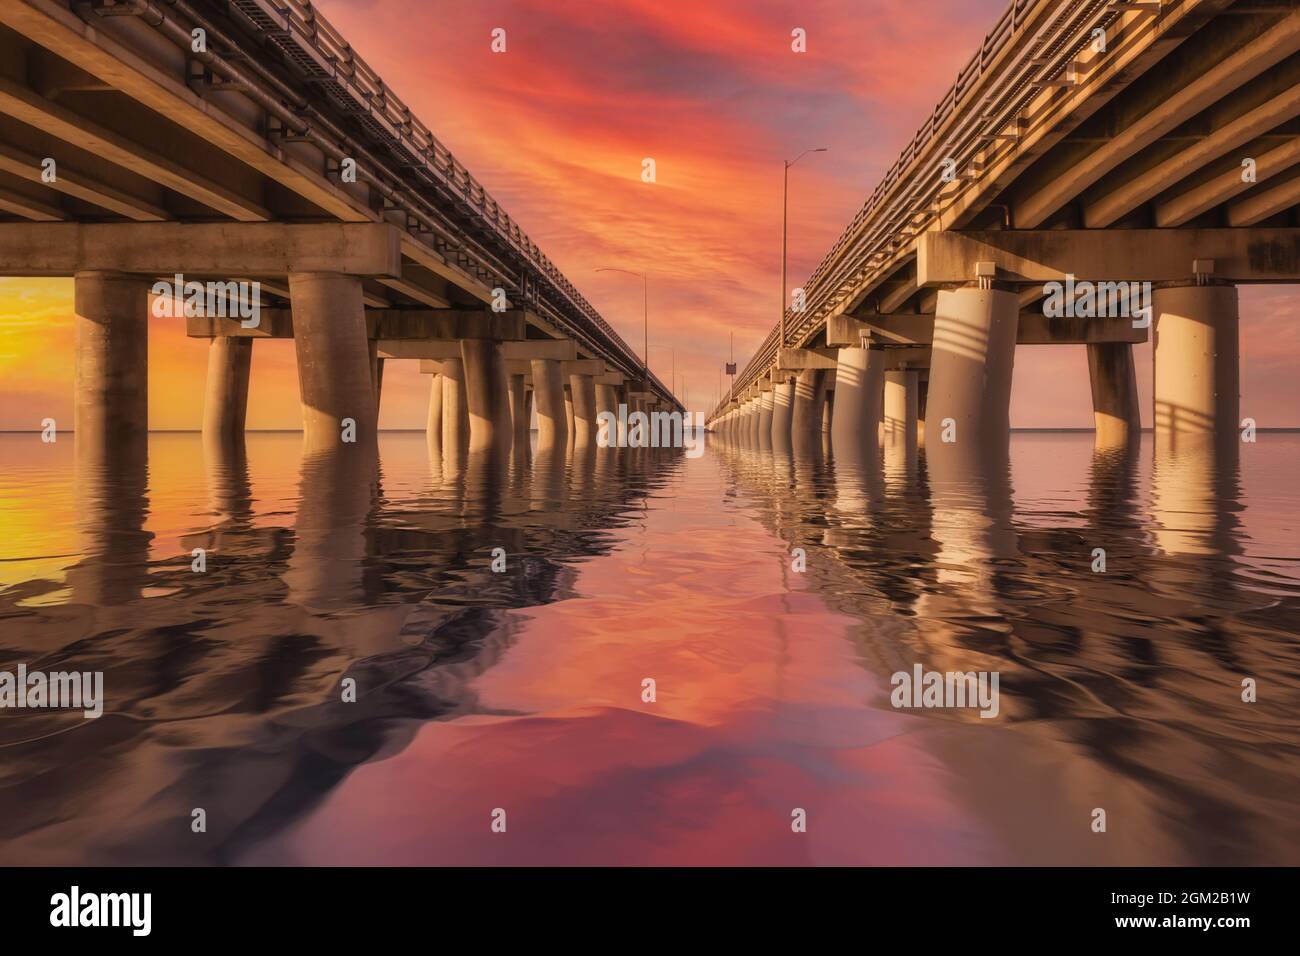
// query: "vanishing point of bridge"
[[232, 143], [1100, 172]]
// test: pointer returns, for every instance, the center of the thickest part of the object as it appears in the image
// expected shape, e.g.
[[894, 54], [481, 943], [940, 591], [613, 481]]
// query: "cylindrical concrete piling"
[[571, 426], [806, 418], [765, 405], [111, 403], [519, 420], [859, 374], [488, 394], [1115, 410], [455, 409], [782, 412], [973, 353], [433, 431], [1197, 377], [900, 405], [607, 403], [548, 389], [225, 396], [583, 389], [329, 337]]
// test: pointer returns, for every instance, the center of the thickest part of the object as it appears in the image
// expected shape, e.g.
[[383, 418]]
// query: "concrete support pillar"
[[899, 421], [607, 401], [376, 372], [782, 413], [751, 431], [111, 405], [519, 420], [225, 396], [552, 418], [828, 412], [900, 405], [488, 395], [329, 337], [1197, 374], [571, 427], [455, 408], [1115, 412], [582, 388], [765, 405], [859, 374], [433, 431], [806, 419], [970, 369]]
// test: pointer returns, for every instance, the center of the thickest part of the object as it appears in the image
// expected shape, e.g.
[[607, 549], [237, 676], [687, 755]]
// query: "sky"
[[558, 127]]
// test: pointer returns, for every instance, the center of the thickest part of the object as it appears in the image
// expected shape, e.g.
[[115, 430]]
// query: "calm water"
[[522, 690]]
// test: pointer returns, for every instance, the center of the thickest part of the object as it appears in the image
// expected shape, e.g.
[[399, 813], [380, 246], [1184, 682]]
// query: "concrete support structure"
[[806, 419], [754, 416], [519, 412], [1115, 410], [901, 397], [899, 425], [782, 413], [582, 388], [859, 374], [329, 336], [455, 409], [225, 396], [570, 425], [970, 370], [111, 405], [1197, 376], [607, 402], [765, 405], [828, 412], [433, 431], [488, 395], [552, 418]]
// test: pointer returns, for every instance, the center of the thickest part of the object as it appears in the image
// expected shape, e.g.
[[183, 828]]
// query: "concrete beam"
[[74, 183], [1034, 329], [1146, 185], [50, 117], [791, 360], [514, 365], [1114, 255], [1191, 203], [154, 248], [1207, 87]]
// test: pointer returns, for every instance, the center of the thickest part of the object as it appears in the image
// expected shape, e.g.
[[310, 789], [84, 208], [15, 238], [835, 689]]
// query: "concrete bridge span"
[[1101, 174], [246, 145]]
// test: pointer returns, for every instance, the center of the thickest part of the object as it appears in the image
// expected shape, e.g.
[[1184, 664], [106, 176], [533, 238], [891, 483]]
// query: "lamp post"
[[645, 305], [785, 219]]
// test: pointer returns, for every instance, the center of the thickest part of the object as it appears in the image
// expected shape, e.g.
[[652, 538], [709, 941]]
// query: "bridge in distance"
[[1085, 142], [246, 141]]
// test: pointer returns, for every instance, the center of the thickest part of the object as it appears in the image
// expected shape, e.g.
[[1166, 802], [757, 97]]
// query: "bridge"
[[1099, 173], [244, 146]]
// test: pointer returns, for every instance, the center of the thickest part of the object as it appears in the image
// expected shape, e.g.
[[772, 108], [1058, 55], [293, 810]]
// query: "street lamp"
[[645, 304], [785, 217]]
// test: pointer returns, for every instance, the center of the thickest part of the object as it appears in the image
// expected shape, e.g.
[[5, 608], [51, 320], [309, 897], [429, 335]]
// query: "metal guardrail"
[[321, 54], [910, 198]]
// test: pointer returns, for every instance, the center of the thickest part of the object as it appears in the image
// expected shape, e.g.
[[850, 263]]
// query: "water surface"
[[522, 691]]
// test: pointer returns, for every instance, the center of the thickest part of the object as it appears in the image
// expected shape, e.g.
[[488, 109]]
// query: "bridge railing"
[[386, 116]]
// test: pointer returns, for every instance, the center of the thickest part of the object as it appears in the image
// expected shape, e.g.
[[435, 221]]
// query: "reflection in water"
[[475, 689]]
